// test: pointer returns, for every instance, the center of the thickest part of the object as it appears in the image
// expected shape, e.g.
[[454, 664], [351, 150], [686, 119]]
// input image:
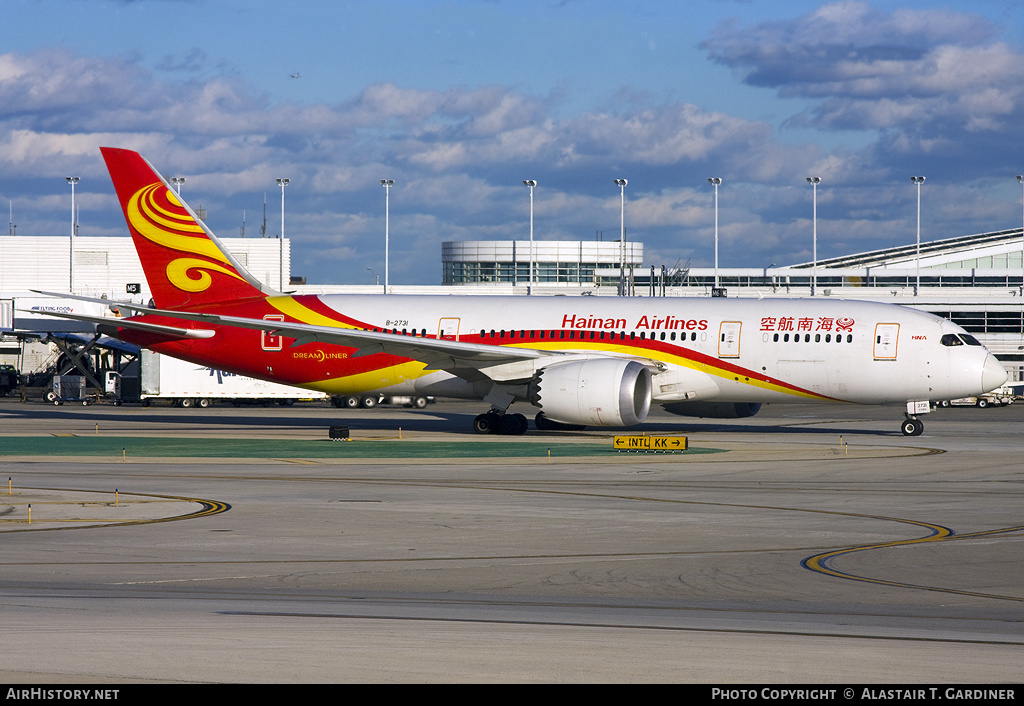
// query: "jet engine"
[[596, 391], [714, 410]]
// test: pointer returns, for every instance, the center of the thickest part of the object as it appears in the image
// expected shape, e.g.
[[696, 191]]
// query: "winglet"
[[185, 264]]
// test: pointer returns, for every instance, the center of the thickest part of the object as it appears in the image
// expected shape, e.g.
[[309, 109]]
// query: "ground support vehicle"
[[368, 401], [9, 379], [187, 384]]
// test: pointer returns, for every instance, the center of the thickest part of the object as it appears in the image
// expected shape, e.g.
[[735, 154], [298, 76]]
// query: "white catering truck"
[[187, 384]]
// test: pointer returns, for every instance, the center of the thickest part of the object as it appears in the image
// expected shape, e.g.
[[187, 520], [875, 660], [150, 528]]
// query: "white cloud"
[[878, 69]]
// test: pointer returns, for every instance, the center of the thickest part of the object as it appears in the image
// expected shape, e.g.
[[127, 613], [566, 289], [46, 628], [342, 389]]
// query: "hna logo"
[[918, 338]]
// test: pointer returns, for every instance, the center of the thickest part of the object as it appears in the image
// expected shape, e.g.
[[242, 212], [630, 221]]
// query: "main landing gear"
[[496, 423], [912, 426]]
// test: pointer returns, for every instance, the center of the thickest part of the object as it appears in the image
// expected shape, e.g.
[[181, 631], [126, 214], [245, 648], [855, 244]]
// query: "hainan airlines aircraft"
[[580, 360]]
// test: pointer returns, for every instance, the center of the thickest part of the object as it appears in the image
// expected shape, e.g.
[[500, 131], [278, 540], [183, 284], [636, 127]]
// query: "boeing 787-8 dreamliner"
[[579, 360]]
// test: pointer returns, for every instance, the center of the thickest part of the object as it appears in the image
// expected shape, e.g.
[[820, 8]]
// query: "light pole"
[[1020, 179], [71, 249], [178, 181], [387, 184], [621, 183], [715, 182], [917, 282], [528, 183], [376, 276], [814, 181], [282, 183]]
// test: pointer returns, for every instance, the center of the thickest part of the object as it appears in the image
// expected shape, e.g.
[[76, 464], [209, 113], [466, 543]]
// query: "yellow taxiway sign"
[[650, 443]]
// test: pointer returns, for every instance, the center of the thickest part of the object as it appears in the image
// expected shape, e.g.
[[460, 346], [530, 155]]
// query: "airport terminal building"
[[556, 263]]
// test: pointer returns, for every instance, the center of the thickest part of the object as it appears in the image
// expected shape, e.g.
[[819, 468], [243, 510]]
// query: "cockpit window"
[[970, 340], [951, 339]]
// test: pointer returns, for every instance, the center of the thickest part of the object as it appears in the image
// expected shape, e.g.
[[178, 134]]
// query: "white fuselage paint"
[[729, 350]]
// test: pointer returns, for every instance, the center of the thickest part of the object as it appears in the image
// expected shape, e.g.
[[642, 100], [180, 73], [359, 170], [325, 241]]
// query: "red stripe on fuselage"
[[241, 351]]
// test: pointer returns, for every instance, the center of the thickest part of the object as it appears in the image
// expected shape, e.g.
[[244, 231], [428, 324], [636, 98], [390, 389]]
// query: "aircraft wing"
[[438, 354], [471, 361], [112, 324]]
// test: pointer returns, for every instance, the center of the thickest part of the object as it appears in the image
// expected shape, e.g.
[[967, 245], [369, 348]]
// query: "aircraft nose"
[[993, 374]]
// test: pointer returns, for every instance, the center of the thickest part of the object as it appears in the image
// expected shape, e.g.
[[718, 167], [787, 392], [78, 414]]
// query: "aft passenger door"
[[886, 338], [729, 339], [270, 341]]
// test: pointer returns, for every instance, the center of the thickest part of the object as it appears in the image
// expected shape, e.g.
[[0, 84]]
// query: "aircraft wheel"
[[419, 402], [546, 424], [488, 423], [369, 402], [523, 422], [912, 427], [513, 425], [352, 401], [542, 422]]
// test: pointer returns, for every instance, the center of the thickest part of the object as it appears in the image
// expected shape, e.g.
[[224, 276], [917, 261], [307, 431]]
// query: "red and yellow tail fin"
[[185, 264]]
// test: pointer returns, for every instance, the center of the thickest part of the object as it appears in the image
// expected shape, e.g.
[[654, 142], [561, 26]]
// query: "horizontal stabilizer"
[[104, 323]]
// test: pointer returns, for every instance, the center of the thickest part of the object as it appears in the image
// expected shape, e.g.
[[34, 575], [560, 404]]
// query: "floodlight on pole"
[[716, 182], [178, 181], [387, 184], [621, 183], [814, 181], [1020, 179], [917, 280], [282, 183], [71, 248], [530, 184]]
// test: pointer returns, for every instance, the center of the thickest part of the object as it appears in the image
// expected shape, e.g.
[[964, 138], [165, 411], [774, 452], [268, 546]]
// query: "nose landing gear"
[[912, 426]]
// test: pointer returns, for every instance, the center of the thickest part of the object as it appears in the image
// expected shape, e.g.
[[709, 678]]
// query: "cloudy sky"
[[459, 101]]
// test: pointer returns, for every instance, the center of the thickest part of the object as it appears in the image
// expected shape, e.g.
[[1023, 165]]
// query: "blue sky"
[[459, 101]]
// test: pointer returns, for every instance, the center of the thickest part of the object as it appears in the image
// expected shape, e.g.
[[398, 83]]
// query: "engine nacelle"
[[598, 391], [714, 410]]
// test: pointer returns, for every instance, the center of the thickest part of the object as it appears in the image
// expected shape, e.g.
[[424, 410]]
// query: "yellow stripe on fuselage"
[[403, 372], [289, 307], [665, 357], [371, 379]]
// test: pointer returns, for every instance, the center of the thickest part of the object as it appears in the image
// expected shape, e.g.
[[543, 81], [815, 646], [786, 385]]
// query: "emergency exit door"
[[448, 329]]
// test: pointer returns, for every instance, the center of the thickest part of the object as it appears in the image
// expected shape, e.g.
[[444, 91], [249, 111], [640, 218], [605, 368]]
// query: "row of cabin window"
[[587, 335], [403, 332], [612, 335], [817, 338], [594, 335]]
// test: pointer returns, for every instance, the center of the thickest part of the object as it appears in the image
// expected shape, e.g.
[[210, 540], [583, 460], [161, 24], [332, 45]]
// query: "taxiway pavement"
[[819, 545]]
